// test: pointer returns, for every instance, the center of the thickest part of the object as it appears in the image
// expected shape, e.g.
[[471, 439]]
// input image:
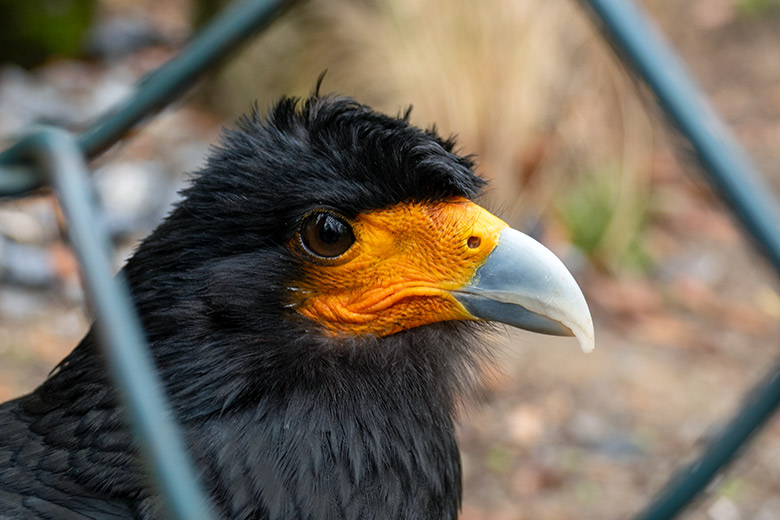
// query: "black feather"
[[282, 420]]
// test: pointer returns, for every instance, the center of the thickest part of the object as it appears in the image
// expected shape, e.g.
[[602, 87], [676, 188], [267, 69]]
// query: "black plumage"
[[283, 420]]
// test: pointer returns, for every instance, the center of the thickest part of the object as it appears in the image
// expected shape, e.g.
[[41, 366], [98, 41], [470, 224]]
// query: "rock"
[[24, 100], [17, 304], [132, 195], [21, 226], [525, 425], [26, 264], [120, 36], [723, 509]]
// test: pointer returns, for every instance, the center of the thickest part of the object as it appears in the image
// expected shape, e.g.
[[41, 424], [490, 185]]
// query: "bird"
[[317, 305]]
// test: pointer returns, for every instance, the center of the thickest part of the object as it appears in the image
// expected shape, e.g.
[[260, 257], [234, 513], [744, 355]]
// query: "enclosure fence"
[[55, 157]]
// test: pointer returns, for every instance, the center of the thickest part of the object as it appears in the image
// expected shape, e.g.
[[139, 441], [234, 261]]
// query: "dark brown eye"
[[326, 235]]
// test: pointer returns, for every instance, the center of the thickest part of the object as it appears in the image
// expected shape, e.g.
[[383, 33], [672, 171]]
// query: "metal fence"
[[50, 156]]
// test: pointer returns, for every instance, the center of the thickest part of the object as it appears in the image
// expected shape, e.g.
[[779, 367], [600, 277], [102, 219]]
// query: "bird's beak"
[[523, 284]]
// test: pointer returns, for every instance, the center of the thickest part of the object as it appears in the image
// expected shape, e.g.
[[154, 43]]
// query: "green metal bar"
[[683, 487], [56, 154], [727, 166], [739, 183], [17, 179], [232, 27]]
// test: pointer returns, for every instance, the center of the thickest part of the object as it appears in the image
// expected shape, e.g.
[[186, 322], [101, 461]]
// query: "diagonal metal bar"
[[726, 164], [229, 29], [56, 155], [683, 487], [741, 186], [233, 26]]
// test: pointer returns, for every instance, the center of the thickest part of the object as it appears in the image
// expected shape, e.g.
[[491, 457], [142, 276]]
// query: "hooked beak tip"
[[523, 284]]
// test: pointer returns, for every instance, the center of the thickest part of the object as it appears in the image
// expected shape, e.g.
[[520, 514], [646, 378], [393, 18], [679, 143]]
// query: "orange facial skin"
[[400, 270]]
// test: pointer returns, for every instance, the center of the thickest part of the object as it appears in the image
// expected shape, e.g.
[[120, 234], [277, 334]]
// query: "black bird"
[[313, 305]]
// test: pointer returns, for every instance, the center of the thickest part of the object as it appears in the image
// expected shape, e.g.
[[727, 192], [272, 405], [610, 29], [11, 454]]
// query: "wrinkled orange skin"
[[401, 270]]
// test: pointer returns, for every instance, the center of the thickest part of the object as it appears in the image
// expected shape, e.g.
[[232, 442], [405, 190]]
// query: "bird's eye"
[[326, 235]]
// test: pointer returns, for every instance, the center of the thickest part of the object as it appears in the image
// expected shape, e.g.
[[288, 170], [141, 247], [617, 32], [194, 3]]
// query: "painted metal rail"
[[55, 157], [728, 169]]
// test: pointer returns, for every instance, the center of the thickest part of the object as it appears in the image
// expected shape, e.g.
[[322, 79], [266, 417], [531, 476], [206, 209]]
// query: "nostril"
[[473, 242]]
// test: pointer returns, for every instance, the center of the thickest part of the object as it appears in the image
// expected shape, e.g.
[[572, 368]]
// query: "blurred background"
[[687, 314]]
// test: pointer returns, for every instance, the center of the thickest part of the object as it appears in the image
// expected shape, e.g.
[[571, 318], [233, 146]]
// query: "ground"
[[559, 434]]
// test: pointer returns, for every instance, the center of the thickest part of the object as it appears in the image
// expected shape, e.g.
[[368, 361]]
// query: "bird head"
[[311, 305], [326, 228]]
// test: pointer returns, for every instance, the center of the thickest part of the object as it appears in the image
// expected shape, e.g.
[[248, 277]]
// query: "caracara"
[[314, 306]]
